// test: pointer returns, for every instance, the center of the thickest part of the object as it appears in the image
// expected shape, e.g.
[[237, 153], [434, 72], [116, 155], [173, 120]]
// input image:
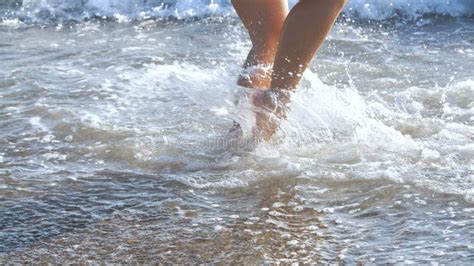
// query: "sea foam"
[[53, 10]]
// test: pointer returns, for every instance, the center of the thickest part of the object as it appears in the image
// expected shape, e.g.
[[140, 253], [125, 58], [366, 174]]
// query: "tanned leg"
[[264, 21], [305, 29]]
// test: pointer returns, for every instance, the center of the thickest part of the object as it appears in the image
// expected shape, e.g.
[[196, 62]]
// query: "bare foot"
[[271, 107]]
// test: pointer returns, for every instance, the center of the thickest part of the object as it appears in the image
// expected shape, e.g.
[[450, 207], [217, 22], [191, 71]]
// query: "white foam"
[[327, 127], [36, 123], [11, 23], [125, 10], [324, 116], [382, 9]]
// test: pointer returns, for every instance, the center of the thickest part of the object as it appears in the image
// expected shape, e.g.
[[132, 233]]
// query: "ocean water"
[[114, 144]]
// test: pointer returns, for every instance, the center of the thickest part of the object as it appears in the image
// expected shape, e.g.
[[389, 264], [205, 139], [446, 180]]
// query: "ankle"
[[256, 76]]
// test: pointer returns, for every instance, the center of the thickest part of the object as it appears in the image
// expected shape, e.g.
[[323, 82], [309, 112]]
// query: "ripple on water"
[[105, 150]]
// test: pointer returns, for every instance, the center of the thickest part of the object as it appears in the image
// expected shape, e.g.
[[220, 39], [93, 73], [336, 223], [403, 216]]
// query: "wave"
[[125, 10]]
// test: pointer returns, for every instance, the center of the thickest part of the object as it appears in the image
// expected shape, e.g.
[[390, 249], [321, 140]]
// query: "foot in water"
[[271, 107], [284, 40], [258, 76], [266, 108]]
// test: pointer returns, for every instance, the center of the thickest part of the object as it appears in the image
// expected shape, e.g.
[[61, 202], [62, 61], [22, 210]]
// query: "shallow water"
[[113, 146]]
